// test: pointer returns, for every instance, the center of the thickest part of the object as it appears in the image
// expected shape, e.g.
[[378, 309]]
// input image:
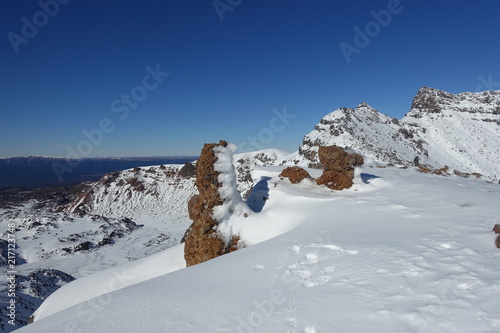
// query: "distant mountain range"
[[461, 131], [37, 171]]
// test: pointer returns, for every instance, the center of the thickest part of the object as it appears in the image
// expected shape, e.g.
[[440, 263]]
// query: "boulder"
[[496, 228], [295, 174], [338, 167]]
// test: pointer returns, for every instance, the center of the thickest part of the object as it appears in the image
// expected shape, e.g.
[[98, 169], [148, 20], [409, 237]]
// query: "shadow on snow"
[[258, 196], [367, 178]]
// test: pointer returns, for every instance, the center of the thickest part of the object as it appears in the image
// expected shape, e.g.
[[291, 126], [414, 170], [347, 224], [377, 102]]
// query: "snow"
[[232, 204], [163, 200], [400, 251], [269, 153], [109, 280]]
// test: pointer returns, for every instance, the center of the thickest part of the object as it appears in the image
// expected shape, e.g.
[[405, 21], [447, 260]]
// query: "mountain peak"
[[457, 130], [363, 105], [427, 99], [430, 100]]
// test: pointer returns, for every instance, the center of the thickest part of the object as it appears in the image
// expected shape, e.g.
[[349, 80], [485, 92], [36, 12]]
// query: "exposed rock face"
[[295, 174], [188, 170], [216, 201], [338, 166], [458, 130], [496, 228]]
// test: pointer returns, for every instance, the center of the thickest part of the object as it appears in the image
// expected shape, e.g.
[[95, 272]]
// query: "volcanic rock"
[[338, 167], [295, 174], [188, 170], [217, 200]]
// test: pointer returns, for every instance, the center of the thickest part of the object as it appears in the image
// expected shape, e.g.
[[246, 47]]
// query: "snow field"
[[399, 252]]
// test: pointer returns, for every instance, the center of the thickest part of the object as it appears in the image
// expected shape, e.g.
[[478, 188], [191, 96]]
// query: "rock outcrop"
[[295, 174], [188, 170], [217, 200], [338, 172]]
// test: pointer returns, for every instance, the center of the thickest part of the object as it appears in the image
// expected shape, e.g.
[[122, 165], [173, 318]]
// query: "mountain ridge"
[[441, 128]]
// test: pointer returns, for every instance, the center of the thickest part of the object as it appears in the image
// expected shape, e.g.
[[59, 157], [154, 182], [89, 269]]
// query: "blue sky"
[[256, 73]]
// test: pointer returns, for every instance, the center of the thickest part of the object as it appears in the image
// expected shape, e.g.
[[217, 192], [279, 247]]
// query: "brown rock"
[[337, 159], [336, 180], [496, 228], [202, 241], [191, 204], [497, 241], [338, 166], [295, 174]]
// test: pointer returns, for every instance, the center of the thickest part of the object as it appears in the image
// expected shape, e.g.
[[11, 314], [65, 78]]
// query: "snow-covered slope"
[[461, 131], [154, 193], [159, 193], [54, 248], [245, 163], [401, 251]]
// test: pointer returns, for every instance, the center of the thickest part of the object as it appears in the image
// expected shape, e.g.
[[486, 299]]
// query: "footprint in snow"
[[334, 248], [294, 249], [307, 272]]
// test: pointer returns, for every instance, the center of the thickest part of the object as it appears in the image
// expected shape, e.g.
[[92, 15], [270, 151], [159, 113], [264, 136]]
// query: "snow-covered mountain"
[[461, 131], [400, 251], [153, 193], [159, 193]]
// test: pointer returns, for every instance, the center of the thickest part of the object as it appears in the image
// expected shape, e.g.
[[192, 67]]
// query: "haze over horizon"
[[162, 78]]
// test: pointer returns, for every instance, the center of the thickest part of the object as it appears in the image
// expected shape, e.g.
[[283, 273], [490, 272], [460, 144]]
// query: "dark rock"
[[106, 241], [496, 228], [83, 246], [188, 170]]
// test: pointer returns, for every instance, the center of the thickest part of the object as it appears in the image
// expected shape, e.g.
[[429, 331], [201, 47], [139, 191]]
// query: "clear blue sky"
[[229, 68]]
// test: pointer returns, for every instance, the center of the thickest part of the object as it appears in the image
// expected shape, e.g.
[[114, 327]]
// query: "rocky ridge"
[[431, 133], [157, 192]]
